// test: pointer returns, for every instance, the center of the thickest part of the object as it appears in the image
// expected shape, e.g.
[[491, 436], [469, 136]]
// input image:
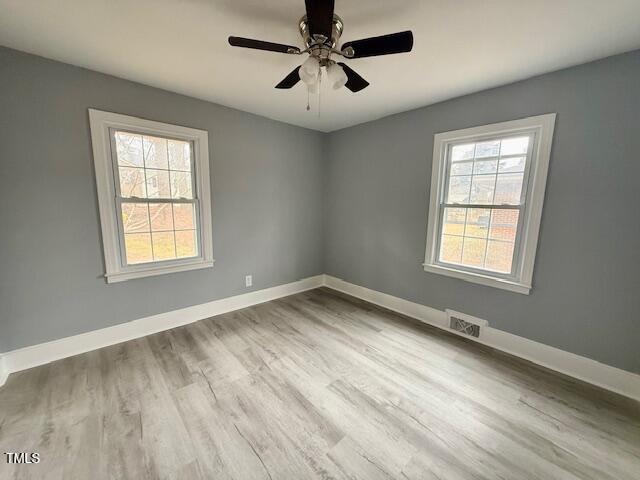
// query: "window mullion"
[[173, 222], [482, 206], [493, 198], [153, 255], [464, 232], [173, 217], [155, 200]]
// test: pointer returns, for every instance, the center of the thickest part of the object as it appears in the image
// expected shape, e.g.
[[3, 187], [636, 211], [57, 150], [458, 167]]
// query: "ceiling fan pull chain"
[[319, 89]]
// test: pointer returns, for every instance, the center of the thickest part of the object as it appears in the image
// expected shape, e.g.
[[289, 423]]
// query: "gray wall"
[[290, 203], [586, 295], [267, 202]]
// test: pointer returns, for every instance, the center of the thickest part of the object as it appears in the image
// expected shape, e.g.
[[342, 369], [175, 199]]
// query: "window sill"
[[479, 278], [156, 270]]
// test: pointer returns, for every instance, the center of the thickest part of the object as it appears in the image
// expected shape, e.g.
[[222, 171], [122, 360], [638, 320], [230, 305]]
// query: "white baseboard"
[[35, 355], [582, 368]]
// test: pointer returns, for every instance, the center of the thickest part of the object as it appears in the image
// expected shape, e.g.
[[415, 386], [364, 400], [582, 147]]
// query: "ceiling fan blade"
[[290, 80], [320, 17], [383, 45], [355, 82], [260, 45]]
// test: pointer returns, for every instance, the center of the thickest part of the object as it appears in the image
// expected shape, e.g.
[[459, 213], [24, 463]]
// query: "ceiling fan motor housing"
[[319, 46]]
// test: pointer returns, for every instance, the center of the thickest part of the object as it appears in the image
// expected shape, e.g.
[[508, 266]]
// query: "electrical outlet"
[[248, 280]]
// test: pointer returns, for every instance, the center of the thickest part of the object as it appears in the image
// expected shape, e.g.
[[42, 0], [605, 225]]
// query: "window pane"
[[186, 244], [473, 252], [462, 152], [461, 168], [484, 173], [514, 146], [515, 164], [454, 221], [459, 190], [181, 185], [482, 189], [135, 217], [161, 216], [158, 183], [183, 216], [451, 249], [132, 182], [179, 155], [509, 188], [485, 166], [138, 247], [504, 224], [155, 153], [129, 149], [163, 246], [499, 256], [488, 149], [477, 223]]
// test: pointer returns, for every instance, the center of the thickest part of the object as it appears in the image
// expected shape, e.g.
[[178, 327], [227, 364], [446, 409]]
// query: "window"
[[487, 191], [153, 193]]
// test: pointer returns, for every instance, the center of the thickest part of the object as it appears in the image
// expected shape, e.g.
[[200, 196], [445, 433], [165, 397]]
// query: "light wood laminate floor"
[[316, 385]]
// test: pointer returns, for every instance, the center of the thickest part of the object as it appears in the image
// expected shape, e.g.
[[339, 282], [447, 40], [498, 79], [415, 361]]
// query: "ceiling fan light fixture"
[[310, 70], [307, 78], [337, 77]]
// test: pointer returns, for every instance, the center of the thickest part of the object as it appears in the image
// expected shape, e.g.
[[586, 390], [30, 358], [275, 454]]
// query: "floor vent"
[[465, 324]]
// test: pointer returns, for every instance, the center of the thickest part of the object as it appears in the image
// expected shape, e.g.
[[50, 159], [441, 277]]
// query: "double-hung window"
[[153, 192], [487, 192]]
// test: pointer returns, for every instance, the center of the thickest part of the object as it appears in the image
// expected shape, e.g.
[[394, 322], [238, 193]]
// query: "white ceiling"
[[461, 46]]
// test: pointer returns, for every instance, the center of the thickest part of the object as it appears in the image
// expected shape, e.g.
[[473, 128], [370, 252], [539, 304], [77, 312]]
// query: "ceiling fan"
[[321, 29]]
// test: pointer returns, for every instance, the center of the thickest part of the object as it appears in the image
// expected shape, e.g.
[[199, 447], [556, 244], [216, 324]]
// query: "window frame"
[[519, 280], [103, 125], [520, 207]]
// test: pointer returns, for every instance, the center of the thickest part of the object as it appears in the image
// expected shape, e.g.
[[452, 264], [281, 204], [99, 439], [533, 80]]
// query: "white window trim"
[[543, 127], [101, 123]]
